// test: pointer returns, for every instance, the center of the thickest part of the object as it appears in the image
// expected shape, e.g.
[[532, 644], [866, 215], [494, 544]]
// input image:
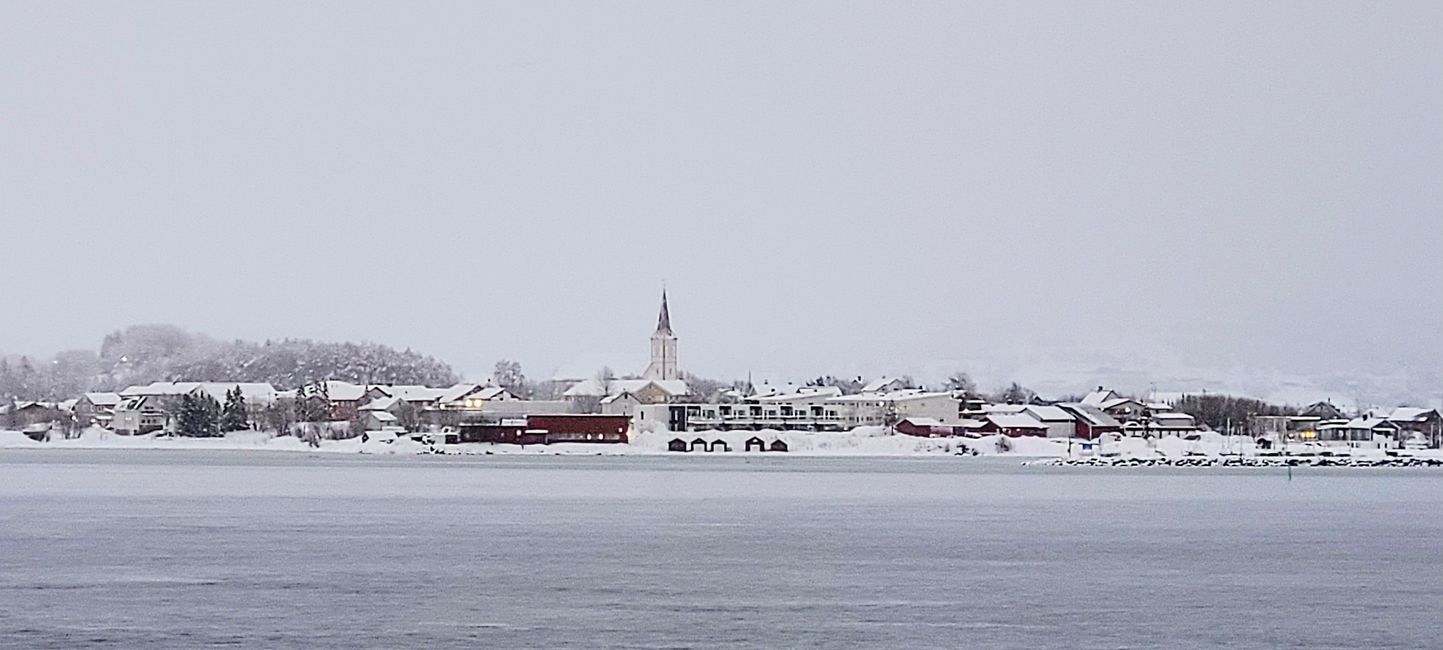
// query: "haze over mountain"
[[1225, 196]]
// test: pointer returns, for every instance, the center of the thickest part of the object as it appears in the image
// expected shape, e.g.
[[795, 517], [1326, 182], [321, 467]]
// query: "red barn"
[[580, 428], [925, 428]]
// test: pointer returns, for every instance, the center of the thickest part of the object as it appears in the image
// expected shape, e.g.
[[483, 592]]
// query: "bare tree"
[[508, 375], [961, 382]]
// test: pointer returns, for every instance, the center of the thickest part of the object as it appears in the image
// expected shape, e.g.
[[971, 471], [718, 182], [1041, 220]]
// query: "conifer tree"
[[188, 419], [233, 415], [209, 415]]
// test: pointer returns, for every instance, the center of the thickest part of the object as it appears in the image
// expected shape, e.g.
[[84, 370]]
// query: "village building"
[[96, 408], [1092, 422]]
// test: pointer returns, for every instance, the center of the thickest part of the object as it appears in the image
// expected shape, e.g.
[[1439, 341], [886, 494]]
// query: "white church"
[[661, 382]]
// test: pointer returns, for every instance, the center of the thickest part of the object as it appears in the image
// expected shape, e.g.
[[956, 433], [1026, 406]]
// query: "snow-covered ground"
[[863, 441]]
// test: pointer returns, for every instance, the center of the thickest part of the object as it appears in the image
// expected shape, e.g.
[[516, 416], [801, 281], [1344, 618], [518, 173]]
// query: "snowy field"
[[192, 548], [864, 441]]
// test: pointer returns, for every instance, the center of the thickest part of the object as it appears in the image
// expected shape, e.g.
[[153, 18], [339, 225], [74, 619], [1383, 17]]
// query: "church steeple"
[[663, 347], [663, 321]]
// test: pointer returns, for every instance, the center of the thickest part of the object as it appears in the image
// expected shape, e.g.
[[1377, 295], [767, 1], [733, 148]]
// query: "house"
[[473, 397], [1361, 431], [96, 408], [676, 444], [139, 416], [1280, 428], [925, 428], [1419, 424], [646, 391], [29, 415], [1124, 409], [623, 403], [1092, 423], [375, 420], [1060, 422], [1171, 423], [1014, 425], [1323, 410], [342, 398], [755, 444]]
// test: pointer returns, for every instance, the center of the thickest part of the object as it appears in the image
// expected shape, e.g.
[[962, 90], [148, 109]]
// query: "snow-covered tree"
[[233, 415]]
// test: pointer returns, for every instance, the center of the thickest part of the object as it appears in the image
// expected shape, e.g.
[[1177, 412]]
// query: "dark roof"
[[663, 320]]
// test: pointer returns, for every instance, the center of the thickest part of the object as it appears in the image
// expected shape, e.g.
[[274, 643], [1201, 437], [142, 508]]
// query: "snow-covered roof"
[[476, 391], [1172, 415], [1049, 413], [1093, 415], [383, 416], [1015, 421], [104, 399], [256, 393], [1098, 398], [1409, 414], [925, 422], [882, 384], [344, 391], [594, 388], [801, 394], [381, 404], [412, 393], [1369, 423]]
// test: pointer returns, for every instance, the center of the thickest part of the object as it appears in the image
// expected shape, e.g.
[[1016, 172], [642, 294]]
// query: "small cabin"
[[779, 445], [698, 444], [719, 445], [756, 444], [676, 444]]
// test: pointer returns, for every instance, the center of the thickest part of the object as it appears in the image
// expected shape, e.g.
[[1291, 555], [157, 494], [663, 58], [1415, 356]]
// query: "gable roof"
[[412, 393], [880, 384], [1015, 421], [344, 391], [1099, 397], [381, 404], [1410, 414], [1049, 413], [1092, 415], [594, 388], [104, 399]]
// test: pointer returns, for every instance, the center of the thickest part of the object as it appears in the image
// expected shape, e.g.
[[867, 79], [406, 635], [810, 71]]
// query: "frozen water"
[[184, 549]]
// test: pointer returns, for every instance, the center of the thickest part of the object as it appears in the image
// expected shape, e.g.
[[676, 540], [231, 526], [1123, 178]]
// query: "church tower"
[[663, 347]]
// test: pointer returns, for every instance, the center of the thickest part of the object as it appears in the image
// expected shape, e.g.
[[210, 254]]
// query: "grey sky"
[[824, 187]]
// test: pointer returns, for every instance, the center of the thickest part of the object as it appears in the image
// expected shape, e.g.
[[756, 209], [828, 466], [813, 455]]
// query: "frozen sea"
[[179, 549]]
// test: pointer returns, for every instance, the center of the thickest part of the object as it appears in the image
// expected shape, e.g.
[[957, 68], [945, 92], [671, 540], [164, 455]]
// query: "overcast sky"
[[823, 187]]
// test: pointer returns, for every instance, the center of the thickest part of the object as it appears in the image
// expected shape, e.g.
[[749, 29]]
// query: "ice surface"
[[181, 549]]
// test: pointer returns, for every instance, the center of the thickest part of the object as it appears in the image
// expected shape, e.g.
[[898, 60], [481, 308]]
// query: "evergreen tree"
[[209, 415], [233, 416], [12, 414], [7, 379], [25, 380], [188, 419], [302, 406]]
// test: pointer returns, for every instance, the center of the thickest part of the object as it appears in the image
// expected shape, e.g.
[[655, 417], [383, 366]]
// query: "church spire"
[[663, 320]]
